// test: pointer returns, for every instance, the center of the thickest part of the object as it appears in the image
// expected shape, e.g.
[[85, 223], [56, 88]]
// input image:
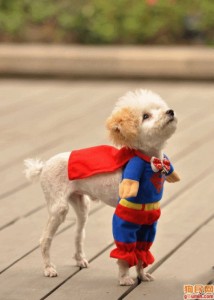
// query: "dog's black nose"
[[170, 112]]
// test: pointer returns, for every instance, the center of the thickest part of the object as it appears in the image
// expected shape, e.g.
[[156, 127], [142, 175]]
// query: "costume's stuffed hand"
[[128, 188], [173, 177]]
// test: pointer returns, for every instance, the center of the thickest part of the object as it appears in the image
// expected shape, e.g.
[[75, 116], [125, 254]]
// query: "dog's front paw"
[[146, 277], [50, 271], [126, 280], [82, 263]]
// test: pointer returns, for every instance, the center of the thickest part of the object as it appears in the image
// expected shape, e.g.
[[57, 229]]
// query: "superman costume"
[[135, 218]]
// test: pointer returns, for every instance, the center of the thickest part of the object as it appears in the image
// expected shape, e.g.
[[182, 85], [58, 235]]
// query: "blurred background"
[[156, 22]]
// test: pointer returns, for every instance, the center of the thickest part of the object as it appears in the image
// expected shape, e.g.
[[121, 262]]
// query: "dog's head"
[[141, 120]]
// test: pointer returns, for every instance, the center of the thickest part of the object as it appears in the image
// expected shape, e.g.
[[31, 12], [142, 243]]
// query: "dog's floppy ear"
[[123, 127]]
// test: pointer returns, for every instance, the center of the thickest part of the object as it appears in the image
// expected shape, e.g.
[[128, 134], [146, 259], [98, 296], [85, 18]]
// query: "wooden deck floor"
[[42, 118]]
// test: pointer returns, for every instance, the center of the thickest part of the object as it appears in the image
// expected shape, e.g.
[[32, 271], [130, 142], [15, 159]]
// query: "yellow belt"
[[137, 206]]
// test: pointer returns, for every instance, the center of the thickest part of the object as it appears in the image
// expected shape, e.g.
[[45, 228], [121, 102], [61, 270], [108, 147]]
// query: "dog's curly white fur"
[[140, 120]]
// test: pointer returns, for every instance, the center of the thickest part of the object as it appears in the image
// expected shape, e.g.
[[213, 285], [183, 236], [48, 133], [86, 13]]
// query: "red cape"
[[100, 159]]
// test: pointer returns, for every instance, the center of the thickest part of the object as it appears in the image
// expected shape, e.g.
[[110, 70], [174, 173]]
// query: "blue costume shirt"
[[150, 183]]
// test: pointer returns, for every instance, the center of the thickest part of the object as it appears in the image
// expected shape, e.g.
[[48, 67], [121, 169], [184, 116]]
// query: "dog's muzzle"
[[170, 112], [170, 116]]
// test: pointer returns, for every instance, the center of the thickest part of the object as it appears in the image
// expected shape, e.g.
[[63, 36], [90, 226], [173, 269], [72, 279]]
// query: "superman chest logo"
[[157, 180]]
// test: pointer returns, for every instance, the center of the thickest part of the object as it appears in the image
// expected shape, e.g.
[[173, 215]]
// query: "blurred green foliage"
[[107, 22]]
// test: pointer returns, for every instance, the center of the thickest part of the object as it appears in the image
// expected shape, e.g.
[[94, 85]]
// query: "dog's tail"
[[33, 169]]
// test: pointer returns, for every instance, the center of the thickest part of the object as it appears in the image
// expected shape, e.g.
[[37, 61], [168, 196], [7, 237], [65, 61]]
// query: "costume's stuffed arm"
[[128, 188], [173, 177], [131, 177]]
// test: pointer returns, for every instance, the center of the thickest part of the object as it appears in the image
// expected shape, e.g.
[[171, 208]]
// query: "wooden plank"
[[40, 113], [56, 143], [49, 131], [174, 227], [192, 158], [14, 92], [191, 264], [27, 232], [25, 279], [20, 204], [182, 140], [32, 135], [72, 114]]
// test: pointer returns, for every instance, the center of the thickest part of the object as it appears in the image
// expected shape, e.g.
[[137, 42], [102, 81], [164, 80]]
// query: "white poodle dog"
[[141, 120]]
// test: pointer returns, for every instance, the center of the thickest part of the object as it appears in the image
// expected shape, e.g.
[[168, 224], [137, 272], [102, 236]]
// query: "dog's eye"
[[145, 116]]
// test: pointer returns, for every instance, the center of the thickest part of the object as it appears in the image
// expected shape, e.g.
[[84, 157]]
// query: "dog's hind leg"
[[81, 206], [56, 217]]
